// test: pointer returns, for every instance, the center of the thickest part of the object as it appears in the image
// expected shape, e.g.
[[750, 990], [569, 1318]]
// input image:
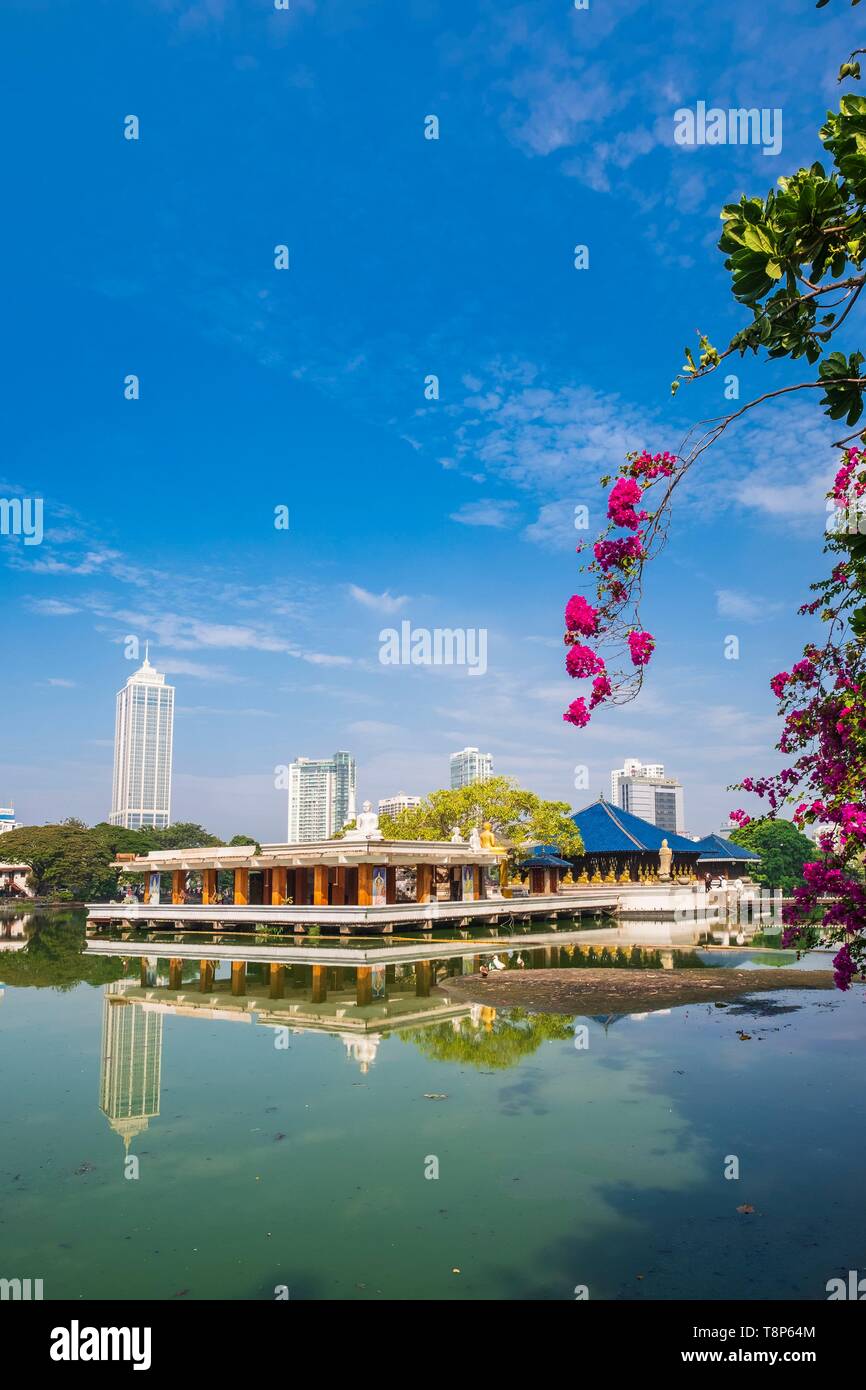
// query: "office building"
[[643, 790], [143, 736]]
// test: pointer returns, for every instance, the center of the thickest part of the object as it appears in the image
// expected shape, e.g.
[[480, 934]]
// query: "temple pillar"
[[301, 887], [364, 985], [278, 981], [267, 889], [320, 885], [205, 976], [142, 976], [241, 894], [365, 885], [338, 888], [391, 883], [178, 884], [175, 974], [239, 977], [424, 883], [279, 886], [208, 885], [320, 984], [476, 881], [423, 978]]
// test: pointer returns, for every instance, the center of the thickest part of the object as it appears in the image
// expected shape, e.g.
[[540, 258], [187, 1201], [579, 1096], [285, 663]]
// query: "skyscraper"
[[131, 1063], [321, 796], [393, 805], [643, 789], [469, 766], [143, 733]]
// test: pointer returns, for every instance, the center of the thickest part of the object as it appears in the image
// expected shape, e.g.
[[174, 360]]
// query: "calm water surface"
[[284, 1141]]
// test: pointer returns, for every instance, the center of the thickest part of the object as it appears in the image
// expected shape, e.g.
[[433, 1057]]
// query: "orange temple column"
[[320, 885], [364, 985], [320, 984], [205, 976], [424, 883], [208, 885], [423, 978], [365, 885], [242, 886], [277, 982], [175, 974], [279, 886], [239, 977], [178, 885]]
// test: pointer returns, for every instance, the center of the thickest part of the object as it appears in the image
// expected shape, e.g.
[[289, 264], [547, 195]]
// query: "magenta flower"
[[580, 616], [582, 661], [640, 645], [624, 496], [577, 713], [601, 689]]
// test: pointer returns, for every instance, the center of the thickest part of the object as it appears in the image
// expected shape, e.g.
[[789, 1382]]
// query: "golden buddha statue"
[[488, 839]]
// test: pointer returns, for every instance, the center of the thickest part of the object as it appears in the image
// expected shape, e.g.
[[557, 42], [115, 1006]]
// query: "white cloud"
[[382, 603], [486, 512]]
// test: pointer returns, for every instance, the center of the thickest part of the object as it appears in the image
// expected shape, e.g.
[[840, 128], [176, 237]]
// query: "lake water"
[[283, 1133]]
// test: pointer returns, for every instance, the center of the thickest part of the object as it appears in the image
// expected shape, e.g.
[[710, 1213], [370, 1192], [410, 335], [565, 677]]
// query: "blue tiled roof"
[[715, 847], [545, 860], [607, 829]]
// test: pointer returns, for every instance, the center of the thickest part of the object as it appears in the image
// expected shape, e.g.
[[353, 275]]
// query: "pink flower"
[[582, 661], [640, 645], [580, 616], [778, 683], [624, 496], [617, 554], [577, 713], [740, 818], [600, 690]]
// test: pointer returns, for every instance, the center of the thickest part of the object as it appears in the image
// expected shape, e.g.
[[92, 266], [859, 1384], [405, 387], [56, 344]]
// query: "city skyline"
[[308, 389]]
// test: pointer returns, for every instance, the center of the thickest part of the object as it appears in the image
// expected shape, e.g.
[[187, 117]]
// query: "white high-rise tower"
[[321, 796], [143, 733]]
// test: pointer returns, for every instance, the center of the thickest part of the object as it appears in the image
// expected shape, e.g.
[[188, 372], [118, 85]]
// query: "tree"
[[518, 817], [783, 850], [797, 259]]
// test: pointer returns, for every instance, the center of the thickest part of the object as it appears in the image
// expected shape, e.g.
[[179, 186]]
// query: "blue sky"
[[305, 387]]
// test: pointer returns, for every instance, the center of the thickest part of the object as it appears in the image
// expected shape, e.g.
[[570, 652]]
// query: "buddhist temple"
[[622, 848]]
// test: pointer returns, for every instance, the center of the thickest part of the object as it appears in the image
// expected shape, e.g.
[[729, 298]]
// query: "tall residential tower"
[[143, 733], [469, 766], [321, 796]]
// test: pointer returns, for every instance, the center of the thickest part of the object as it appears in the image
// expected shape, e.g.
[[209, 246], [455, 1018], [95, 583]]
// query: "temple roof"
[[543, 859], [607, 829], [715, 847]]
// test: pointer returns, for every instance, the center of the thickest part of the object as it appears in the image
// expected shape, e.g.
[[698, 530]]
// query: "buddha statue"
[[474, 838], [456, 837], [366, 825], [666, 855], [488, 839]]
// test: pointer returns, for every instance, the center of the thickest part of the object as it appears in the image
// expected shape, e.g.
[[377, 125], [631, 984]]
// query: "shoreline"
[[606, 990]]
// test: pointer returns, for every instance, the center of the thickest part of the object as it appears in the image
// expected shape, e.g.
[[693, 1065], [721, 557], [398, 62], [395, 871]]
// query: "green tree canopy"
[[783, 850], [518, 818]]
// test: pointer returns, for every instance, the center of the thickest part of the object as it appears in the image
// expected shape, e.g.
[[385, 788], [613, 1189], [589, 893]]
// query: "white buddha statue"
[[366, 825], [456, 837], [475, 838]]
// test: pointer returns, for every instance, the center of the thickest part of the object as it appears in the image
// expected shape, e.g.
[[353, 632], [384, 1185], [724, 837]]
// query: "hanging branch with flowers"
[[798, 260]]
